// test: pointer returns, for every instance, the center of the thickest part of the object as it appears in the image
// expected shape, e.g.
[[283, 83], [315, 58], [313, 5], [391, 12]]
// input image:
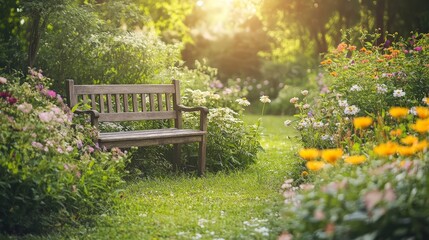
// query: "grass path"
[[239, 205]]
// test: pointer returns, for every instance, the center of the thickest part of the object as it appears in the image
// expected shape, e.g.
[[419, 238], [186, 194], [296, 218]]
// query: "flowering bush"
[[370, 181], [50, 170]]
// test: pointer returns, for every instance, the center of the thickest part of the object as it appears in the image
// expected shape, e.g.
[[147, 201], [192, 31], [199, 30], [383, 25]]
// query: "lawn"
[[238, 205]]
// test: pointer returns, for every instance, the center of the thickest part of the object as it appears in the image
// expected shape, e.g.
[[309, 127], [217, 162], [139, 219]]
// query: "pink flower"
[[372, 198], [418, 49], [3, 80], [51, 93], [12, 100], [45, 116], [37, 145], [69, 148], [90, 149], [25, 107]]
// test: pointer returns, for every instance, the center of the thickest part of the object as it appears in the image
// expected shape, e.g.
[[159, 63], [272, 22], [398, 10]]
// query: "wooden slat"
[[168, 101], [151, 102], [101, 101], [135, 107], [93, 103], [109, 103], [126, 103], [85, 99], [124, 88], [132, 116], [143, 102], [159, 98], [150, 142]]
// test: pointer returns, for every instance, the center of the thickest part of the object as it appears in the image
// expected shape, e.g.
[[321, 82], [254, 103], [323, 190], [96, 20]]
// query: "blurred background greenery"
[[265, 47]]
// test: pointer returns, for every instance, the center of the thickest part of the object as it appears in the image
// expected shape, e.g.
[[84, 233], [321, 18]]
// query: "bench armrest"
[[92, 113], [203, 114]]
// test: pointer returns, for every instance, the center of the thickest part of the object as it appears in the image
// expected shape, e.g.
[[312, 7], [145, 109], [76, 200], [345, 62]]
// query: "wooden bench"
[[135, 102]]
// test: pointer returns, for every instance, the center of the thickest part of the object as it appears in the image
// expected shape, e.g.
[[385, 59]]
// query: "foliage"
[[365, 146], [51, 170]]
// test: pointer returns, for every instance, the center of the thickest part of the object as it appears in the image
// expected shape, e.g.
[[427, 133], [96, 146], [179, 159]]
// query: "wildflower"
[[326, 62], [304, 92], [314, 165], [304, 174], [51, 93], [355, 160], [413, 111], [362, 122], [306, 106], [351, 110], [398, 93], [334, 74], [351, 48], [25, 107], [243, 102], [294, 100], [422, 112], [418, 49], [409, 140], [45, 116], [332, 155], [309, 153], [406, 151], [356, 88], [343, 103], [90, 149], [37, 145], [425, 100], [3, 80], [265, 99], [421, 146], [386, 149], [398, 112], [341, 47], [327, 137], [318, 124], [421, 125], [372, 198], [381, 88], [287, 123], [12, 100], [304, 123]]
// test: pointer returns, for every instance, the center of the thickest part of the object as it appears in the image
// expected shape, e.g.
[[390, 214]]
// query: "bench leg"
[[202, 156], [177, 156]]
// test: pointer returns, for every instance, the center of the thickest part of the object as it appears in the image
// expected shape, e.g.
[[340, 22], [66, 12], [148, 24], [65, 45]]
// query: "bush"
[[365, 147], [51, 172]]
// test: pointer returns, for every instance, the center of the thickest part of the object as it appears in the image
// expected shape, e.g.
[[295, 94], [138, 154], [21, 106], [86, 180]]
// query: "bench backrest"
[[129, 102]]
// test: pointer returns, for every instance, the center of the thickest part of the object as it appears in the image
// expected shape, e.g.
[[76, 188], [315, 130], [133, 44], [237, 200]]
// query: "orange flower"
[[362, 122], [396, 132], [314, 165], [309, 153], [421, 125], [341, 47], [355, 160], [409, 140], [351, 48], [334, 74], [363, 49], [386, 149], [421, 146], [422, 112], [332, 155], [398, 112], [326, 62], [406, 151]]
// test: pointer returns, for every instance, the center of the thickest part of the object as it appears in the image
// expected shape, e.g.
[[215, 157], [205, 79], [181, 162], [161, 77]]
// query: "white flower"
[[243, 102], [294, 100], [303, 123], [398, 93], [306, 106], [304, 92], [3, 80], [355, 88], [425, 100], [287, 123], [263, 230], [351, 110], [318, 124], [343, 103], [326, 137], [413, 111], [381, 88], [25, 107], [265, 99]]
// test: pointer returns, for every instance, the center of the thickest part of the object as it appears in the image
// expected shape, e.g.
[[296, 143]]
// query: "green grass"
[[238, 205]]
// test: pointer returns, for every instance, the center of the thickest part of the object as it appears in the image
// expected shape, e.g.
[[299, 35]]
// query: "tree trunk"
[[379, 19], [34, 38]]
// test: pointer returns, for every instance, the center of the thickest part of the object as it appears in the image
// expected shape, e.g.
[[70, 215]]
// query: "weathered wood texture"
[[135, 102]]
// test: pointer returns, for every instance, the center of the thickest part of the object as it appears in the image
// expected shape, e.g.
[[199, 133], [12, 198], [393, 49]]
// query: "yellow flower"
[[332, 155], [409, 140], [309, 153], [304, 174], [421, 146], [398, 112], [422, 112], [314, 165], [386, 149], [362, 122], [334, 74], [326, 62], [396, 132], [355, 160], [406, 151], [421, 125]]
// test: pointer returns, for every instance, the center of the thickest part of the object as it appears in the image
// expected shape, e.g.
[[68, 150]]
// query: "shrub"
[[51, 172]]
